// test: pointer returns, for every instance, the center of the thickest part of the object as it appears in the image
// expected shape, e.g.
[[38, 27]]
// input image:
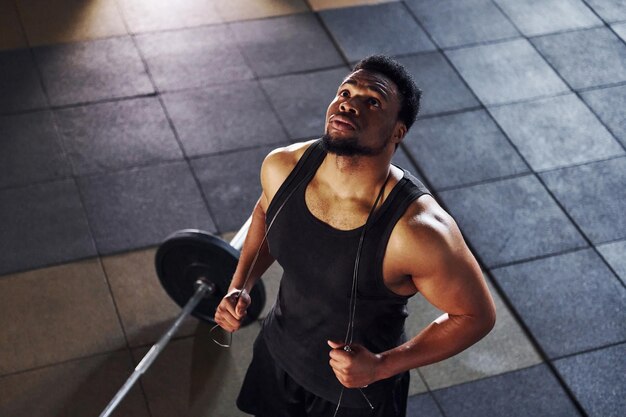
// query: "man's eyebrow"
[[372, 87]]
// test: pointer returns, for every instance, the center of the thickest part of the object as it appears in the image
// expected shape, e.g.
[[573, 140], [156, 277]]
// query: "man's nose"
[[348, 107]]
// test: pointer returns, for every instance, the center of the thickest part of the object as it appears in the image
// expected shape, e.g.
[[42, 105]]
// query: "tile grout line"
[[526, 173], [91, 356], [537, 173], [174, 131], [569, 392]]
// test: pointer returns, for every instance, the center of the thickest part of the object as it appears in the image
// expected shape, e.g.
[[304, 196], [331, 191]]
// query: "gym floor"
[[122, 121]]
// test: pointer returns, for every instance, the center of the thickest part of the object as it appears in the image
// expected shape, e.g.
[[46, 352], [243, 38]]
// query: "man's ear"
[[399, 132]]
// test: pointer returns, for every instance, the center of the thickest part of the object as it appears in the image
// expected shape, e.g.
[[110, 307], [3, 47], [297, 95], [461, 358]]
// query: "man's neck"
[[355, 177]]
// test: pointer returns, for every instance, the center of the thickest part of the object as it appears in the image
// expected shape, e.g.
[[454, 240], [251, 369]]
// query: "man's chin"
[[345, 146]]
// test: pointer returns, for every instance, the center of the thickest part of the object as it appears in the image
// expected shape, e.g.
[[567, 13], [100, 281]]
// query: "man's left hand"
[[355, 368]]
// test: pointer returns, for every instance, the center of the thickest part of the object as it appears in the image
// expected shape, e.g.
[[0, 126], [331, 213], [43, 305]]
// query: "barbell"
[[195, 269]]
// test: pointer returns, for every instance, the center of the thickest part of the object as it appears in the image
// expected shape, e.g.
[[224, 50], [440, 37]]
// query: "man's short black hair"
[[410, 94]]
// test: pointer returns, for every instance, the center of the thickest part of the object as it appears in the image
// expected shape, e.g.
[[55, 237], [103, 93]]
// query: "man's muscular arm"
[[275, 169], [430, 248]]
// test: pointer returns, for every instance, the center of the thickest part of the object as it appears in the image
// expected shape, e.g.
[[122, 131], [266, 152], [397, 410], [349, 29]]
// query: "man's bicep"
[[452, 280]]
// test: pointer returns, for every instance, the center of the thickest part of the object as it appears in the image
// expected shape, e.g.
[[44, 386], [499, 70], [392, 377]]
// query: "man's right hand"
[[232, 310]]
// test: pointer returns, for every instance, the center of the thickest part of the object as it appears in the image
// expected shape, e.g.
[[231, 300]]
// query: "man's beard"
[[348, 147]]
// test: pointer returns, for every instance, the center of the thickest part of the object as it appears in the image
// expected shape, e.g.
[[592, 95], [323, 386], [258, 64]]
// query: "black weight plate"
[[189, 254]]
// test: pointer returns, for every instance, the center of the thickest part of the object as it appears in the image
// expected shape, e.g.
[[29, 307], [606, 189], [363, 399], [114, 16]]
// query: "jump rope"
[[353, 292]]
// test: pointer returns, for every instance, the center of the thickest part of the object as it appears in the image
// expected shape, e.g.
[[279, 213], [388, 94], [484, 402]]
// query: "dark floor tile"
[[609, 10], [301, 100], [462, 148], [608, 104], [138, 208], [121, 134], [556, 132], [511, 220], [570, 303], [93, 70], [516, 72], [597, 380], [285, 44], [193, 57], [42, 224], [537, 17], [216, 119], [20, 86], [231, 185], [30, 150], [527, 392], [586, 58], [455, 23], [77, 388], [614, 253], [595, 196], [422, 405], [380, 29], [442, 88]]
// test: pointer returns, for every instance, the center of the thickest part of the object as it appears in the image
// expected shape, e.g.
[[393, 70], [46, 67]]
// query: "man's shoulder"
[[424, 225], [278, 164], [286, 155]]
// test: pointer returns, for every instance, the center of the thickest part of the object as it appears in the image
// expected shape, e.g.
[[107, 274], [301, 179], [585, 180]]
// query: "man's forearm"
[[253, 240], [445, 337]]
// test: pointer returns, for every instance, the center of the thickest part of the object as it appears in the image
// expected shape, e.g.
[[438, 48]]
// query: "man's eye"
[[374, 102], [344, 93]]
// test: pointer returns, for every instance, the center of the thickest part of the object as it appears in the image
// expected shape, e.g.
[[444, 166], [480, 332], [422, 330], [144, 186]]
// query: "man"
[[356, 237]]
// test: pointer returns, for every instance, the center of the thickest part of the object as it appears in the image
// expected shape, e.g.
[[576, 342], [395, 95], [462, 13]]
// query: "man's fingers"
[[242, 304], [335, 345]]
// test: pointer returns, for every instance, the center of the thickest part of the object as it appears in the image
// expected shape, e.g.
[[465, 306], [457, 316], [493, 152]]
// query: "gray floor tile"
[[528, 392], [597, 380], [586, 58], [609, 10], [556, 132], [55, 314], [454, 23], [121, 134], [216, 119], [620, 30], [569, 302], [422, 405], [511, 220], [435, 143], [42, 224], [77, 388], [195, 377], [193, 57], [20, 85], [379, 29], [285, 44], [608, 104], [516, 72], [506, 348], [304, 118], [30, 150], [442, 88], [231, 185], [92, 70], [595, 196], [614, 253], [138, 208], [536, 17], [144, 307]]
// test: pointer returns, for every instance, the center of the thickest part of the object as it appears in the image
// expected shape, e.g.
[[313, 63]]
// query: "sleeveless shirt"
[[314, 295]]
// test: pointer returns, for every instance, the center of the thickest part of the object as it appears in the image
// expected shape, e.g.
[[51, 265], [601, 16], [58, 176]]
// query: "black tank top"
[[313, 300]]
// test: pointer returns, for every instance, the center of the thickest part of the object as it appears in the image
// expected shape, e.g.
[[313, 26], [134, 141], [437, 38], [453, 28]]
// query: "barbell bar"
[[195, 269]]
